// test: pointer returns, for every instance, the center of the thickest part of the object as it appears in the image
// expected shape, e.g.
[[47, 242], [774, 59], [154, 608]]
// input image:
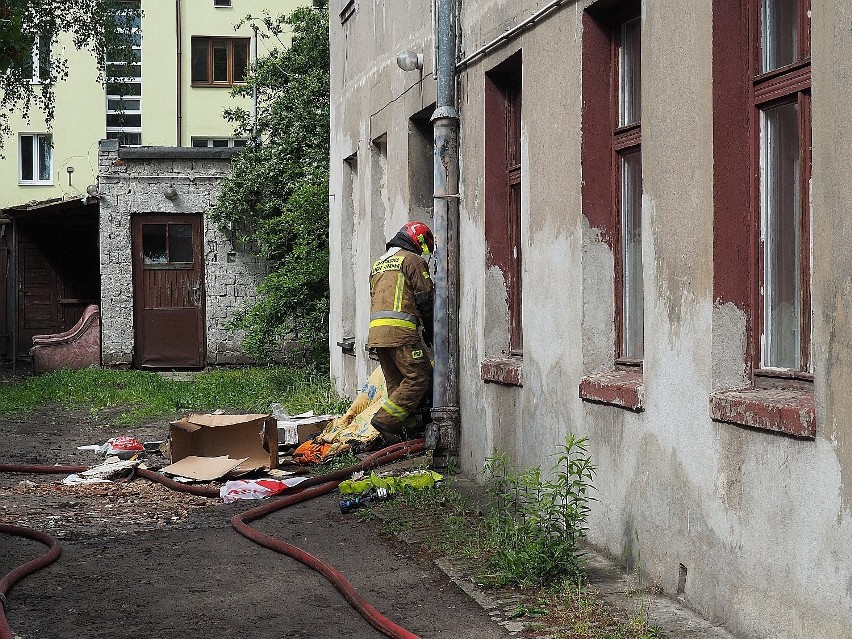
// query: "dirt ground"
[[139, 560]]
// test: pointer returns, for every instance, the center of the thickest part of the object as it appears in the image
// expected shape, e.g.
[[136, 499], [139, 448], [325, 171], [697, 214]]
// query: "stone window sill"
[[502, 370], [784, 410], [624, 389]]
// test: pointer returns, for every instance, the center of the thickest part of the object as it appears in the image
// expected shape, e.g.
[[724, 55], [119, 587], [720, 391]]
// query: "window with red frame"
[[503, 185], [780, 90], [612, 159]]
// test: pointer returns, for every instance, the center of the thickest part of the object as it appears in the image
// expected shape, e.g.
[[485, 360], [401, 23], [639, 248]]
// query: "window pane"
[[129, 139], [200, 142], [120, 104], [220, 62], [44, 164], [780, 33], [241, 60], [630, 73], [154, 244], [124, 88], [43, 58], [220, 143], [631, 242], [118, 70], [180, 242], [200, 73], [238, 143], [27, 158], [781, 206], [28, 66], [124, 119]]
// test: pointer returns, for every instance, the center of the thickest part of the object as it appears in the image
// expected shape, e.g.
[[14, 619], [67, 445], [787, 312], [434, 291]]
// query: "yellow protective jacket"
[[401, 298]]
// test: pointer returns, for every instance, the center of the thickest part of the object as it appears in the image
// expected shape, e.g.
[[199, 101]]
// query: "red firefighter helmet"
[[421, 235]]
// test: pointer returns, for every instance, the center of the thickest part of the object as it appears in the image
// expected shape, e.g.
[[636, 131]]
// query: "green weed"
[[536, 524]]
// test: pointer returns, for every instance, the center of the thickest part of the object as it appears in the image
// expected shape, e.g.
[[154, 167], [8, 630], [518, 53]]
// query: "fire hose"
[[24, 569], [308, 489]]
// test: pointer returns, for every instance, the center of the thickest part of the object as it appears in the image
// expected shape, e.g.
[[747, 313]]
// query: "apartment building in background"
[[187, 56]]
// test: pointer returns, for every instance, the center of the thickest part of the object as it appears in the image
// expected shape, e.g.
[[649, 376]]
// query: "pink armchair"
[[79, 347]]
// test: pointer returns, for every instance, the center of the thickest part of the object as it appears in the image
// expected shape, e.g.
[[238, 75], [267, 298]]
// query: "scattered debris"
[[256, 488], [418, 480], [122, 446], [300, 428], [112, 468]]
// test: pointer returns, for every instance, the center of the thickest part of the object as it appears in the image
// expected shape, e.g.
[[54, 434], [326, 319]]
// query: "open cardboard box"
[[253, 438]]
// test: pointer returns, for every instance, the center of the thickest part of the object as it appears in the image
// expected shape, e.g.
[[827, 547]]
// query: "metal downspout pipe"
[[443, 436]]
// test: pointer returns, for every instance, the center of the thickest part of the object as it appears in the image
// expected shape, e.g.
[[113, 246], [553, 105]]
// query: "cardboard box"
[[298, 430], [250, 437], [203, 468]]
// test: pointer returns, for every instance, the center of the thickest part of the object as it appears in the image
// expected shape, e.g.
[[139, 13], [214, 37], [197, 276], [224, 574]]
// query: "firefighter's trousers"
[[408, 375]]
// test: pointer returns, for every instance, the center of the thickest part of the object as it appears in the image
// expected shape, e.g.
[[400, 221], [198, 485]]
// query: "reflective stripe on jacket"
[[401, 297]]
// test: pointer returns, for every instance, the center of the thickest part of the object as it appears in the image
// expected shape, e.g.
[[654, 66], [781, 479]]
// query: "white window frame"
[[115, 132], [34, 137], [41, 44], [209, 142]]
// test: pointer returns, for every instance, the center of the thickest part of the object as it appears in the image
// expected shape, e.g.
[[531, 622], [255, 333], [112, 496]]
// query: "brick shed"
[[170, 278]]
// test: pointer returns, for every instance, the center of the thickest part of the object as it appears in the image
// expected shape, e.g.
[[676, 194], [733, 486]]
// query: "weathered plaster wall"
[[527, 422], [135, 186], [760, 521], [374, 188]]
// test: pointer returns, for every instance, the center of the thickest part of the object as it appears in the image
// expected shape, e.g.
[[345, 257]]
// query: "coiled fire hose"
[[308, 489], [24, 569]]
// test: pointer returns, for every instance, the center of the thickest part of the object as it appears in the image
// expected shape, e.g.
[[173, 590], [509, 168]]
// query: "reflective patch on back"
[[416, 354], [393, 263]]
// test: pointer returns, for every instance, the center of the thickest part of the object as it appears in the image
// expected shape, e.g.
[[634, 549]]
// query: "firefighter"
[[401, 299]]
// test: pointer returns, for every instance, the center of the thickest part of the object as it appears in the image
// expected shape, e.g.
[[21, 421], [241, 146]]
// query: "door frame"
[[137, 267]]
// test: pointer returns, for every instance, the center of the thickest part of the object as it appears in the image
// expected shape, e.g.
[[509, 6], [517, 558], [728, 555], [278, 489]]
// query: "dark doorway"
[[168, 282], [58, 269]]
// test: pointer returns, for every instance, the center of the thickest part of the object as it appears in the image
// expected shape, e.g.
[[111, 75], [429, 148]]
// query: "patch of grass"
[[142, 395]]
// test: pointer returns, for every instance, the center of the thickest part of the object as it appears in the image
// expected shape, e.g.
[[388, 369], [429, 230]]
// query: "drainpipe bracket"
[[445, 113]]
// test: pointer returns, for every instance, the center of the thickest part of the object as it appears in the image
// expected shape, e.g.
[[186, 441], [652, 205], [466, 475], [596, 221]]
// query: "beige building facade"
[[653, 218]]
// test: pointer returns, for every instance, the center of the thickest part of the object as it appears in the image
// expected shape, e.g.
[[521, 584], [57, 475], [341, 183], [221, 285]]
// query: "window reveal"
[[503, 169]]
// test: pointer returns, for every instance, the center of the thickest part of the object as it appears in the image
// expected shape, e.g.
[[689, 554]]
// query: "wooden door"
[[168, 282]]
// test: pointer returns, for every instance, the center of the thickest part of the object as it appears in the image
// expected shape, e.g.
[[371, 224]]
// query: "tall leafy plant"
[[538, 524], [276, 200], [104, 27]]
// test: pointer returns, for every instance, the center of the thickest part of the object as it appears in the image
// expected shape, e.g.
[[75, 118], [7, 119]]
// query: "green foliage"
[[276, 199], [447, 522], [92, 25], [141, 395], [537, 523]]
